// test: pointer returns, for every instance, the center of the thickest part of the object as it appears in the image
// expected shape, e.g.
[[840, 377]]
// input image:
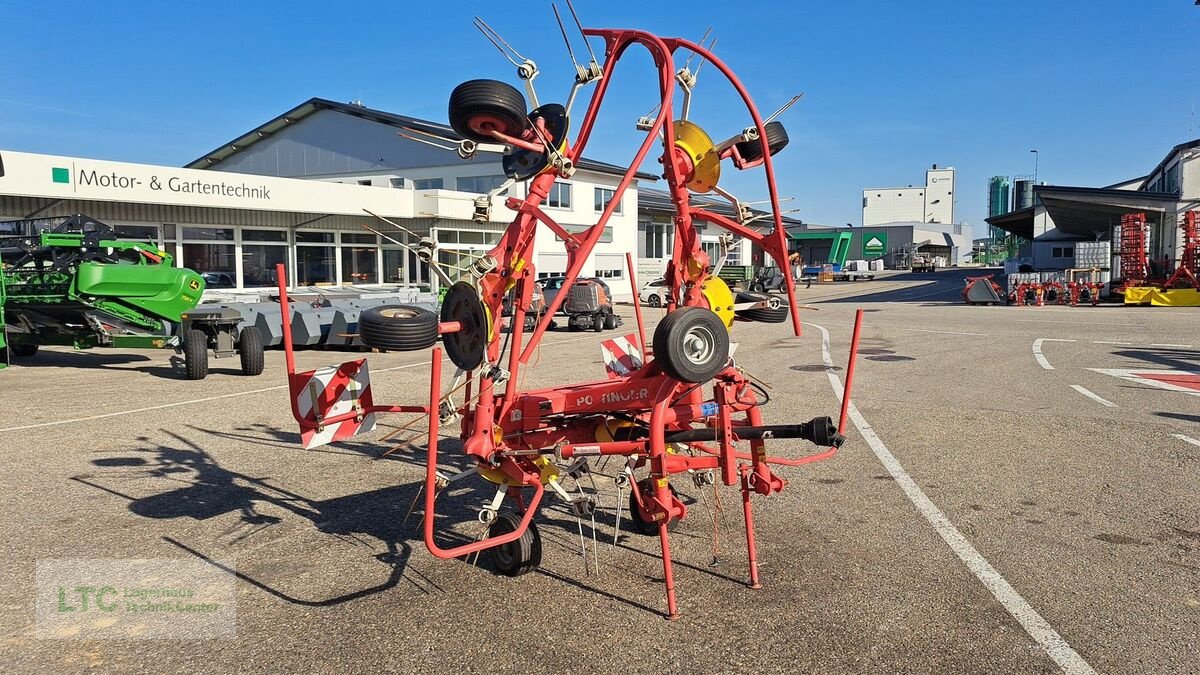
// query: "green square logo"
[[60, 175]]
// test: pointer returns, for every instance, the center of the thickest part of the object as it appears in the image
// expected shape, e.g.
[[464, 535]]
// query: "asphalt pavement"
[[1017, 494]]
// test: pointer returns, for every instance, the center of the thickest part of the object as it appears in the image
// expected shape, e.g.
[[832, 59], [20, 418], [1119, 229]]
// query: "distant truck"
[[923, 262]]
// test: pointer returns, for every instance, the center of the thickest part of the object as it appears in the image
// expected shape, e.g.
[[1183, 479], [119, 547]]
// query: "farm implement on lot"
[[72, 281], [678, 405]]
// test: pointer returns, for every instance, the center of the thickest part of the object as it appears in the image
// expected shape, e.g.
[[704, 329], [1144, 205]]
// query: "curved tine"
[[711, 46], [785, 106], [488, 33], [688, 63], [501, 39], [580, 27], [563, 29]]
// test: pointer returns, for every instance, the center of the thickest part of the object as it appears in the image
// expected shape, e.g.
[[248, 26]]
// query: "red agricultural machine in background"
[[680, 405]]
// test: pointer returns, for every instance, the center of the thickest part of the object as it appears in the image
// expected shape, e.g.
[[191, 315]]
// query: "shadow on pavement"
[[933, 289]]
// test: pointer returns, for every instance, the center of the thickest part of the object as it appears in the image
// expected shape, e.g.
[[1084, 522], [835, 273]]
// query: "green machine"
[[70, 281]]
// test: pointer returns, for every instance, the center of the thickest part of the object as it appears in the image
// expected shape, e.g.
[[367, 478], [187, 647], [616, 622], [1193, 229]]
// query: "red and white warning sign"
[[327, 393], [621, 355], [1184, 381]]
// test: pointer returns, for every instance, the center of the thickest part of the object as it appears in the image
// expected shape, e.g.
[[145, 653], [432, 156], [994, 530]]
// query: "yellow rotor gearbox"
[[706, 161], [544, 464], [720, 298]]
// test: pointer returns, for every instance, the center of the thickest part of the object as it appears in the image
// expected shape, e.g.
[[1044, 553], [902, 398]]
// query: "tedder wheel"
[[640, 524], [465, 347], [691, 344], [402, 328], [776, 310], [777, 138], [478, 107], [250, 349], [610, 321], [195, 354], [598, 323], [517, 557], [23, 349]]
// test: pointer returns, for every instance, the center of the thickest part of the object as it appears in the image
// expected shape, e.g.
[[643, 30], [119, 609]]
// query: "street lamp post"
[[1036, 156]]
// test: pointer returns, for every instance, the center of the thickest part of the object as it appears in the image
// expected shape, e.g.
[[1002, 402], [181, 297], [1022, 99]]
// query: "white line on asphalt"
[[1187, 439], [1092, 396], [1102, 342], [1158, 344], [1037, 627], [217, 398], [1087, 323], [943, 332], [1037, 351]]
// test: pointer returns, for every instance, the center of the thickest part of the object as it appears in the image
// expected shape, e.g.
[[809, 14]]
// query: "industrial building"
[[932, 202], [894, 243], [1057, 217], [324, 140]]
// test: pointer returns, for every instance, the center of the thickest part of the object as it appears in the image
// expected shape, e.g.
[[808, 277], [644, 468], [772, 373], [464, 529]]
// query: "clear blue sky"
[[1103, 88]]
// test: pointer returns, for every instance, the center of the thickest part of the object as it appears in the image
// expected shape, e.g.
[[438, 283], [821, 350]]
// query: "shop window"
[[275, 236], [606, 236], [393, 265], [208, 233], [603, 197], [359, 264], [358, 238], [471, 237], [559, 196], [259, 261], [210, 259], [608, 274], [314, 237], [315, 265], [137, 232]]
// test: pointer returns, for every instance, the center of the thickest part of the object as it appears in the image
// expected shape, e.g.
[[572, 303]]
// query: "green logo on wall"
[[60, 175], [874, 244]]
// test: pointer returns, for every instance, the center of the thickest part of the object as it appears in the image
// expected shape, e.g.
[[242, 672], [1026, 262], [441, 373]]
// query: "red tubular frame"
[[508, 430]]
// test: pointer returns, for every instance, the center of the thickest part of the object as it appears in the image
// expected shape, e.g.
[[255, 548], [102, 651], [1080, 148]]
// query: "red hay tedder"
[[680, 405]]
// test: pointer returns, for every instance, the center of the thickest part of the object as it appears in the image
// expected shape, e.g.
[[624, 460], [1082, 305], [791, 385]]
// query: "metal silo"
[[1022, 193]]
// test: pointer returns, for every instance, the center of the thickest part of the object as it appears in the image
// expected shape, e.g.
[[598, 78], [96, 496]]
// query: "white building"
[[330, 141], [930, 203]]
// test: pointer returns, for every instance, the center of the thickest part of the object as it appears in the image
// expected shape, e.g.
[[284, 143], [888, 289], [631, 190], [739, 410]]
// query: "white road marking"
[[119, 413], [1092, 396], [1136, 375], [1157, 344], [1187, 439], [944, 332], [1037, 351], [1102, 342], [1037, 627], [1086, 323]]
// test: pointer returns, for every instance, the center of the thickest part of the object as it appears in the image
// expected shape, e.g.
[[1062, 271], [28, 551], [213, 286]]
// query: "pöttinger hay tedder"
[[680, 405]]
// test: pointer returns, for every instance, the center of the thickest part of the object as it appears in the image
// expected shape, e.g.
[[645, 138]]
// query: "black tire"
[[553, 326], [250, 351], [465, 347], [610, 321], [530, 322], [23, 350], [680, 355], [479, 105], [757, 287], [598, 323], [640, 524], [195, 354], [777, 139], [402, 328], [517, 557], [654, 301], [766, 314]]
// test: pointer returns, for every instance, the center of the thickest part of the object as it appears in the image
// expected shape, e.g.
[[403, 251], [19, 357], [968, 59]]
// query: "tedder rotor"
[[679, 405]]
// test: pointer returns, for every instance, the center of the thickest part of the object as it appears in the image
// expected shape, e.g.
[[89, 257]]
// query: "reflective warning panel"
[[621, 355], [329, 393]]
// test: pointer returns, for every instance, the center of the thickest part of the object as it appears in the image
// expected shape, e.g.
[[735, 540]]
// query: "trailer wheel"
[[195, 354], [776, 310], [777, 139], [23, 350], [478, 107], [517, 557], [691, 344], [402, 328], [641, 524], [250, 350]]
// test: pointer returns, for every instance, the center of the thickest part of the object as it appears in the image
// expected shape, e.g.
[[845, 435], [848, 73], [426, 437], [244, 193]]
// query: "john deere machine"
[[70, 281]]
